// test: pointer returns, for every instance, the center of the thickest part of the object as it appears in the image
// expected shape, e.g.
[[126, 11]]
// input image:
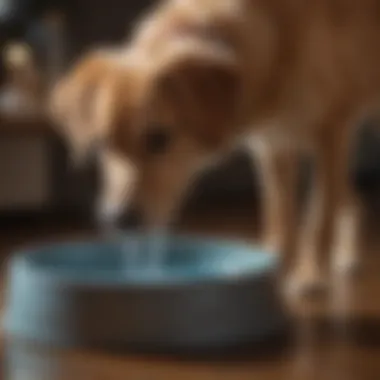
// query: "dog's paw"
[[305, 283], [271, 245], [344, 264]]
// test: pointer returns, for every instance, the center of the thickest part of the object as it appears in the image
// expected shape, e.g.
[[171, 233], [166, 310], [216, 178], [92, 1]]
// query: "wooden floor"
[[335, 338]]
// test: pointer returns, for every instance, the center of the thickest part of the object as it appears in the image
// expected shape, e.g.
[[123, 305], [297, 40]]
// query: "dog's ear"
[[81, 104], [204, 83]]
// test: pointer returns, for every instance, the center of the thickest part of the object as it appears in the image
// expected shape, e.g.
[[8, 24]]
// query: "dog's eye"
[[157, 141]]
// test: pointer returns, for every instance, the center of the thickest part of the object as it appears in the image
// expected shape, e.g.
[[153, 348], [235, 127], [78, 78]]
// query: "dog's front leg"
[[348, 235], [277, 166], [118, 179], [329, 193]]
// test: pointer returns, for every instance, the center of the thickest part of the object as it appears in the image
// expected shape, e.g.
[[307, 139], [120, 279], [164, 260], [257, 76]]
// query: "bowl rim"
[[22, 260]]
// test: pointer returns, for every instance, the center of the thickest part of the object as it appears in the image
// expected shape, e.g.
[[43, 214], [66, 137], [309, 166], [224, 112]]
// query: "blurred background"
[[38, 185]]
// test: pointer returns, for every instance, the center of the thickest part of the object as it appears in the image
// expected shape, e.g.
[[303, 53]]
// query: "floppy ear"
[[81, 105], [204, 83]]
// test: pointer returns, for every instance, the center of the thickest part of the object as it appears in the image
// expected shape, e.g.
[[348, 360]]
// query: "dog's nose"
[[115, 218], [132, 219]]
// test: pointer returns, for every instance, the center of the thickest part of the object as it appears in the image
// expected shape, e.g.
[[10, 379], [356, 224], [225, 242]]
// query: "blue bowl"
[[202, 293]]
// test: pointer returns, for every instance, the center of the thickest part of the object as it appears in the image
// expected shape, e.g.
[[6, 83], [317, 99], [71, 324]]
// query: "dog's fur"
[[200, 76]]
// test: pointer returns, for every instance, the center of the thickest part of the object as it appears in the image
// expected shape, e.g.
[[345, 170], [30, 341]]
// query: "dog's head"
[[189, 118], [165, 117]]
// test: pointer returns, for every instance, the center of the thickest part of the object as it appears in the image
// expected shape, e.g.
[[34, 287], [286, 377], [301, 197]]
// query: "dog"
[[199, 78]]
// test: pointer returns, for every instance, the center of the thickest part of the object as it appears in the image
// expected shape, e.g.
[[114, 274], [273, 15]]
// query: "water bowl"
[[203, 293]]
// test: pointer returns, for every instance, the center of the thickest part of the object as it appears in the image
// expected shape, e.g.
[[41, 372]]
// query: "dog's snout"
[[111, 218], [131, 219]]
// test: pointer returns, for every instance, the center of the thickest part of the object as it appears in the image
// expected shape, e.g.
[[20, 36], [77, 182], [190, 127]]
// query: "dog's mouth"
[[128, 220], [131, 220]]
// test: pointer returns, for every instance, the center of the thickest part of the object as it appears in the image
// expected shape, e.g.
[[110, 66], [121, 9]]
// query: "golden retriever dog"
[[201, 77]]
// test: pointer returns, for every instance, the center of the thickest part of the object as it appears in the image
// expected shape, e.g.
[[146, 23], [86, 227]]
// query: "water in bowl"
[[147, 251], [125, 260]]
